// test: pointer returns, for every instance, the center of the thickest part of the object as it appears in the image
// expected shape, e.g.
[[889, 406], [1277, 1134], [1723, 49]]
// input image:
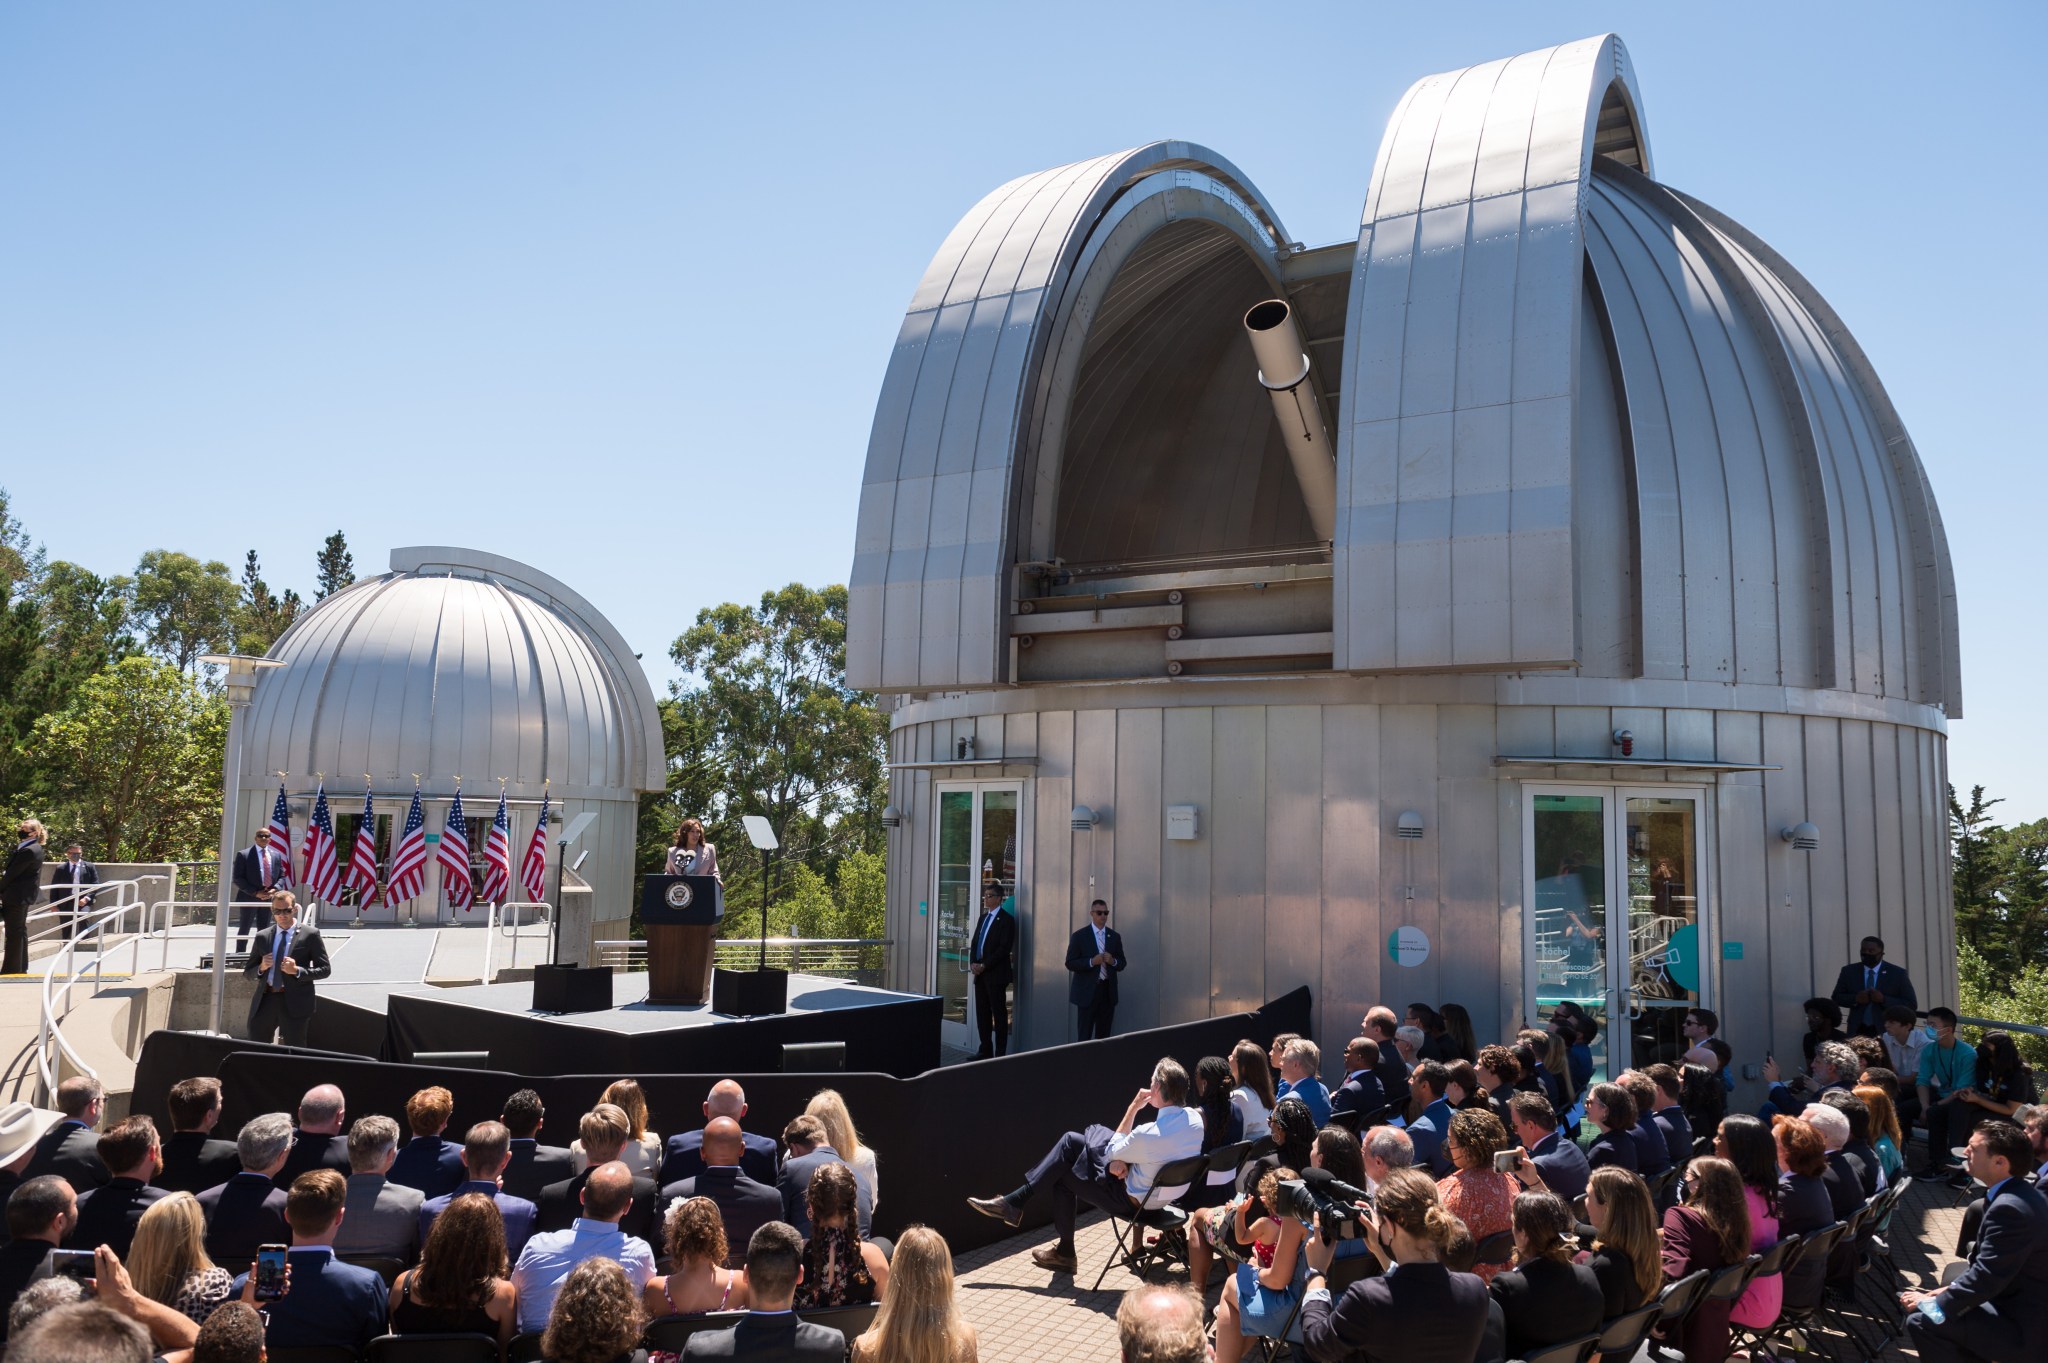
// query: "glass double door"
[[1614, 883], [979, 834]]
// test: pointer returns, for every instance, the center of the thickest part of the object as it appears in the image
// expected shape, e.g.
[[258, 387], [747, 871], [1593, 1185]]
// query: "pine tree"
[[261, 615], [336, 564]]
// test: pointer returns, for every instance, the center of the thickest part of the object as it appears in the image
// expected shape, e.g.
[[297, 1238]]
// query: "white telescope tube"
[[1283, 372]]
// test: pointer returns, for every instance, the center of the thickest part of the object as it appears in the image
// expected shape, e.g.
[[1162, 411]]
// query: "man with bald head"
[[544, 1265], [320, 1140], [746, 1203], [684, 1159]]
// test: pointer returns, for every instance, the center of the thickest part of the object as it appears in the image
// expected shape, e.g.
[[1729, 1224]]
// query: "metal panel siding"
[[1915, 818], [1789, 881], [1139, 906], [1742, 896], [1888, 859], [1095, 769], [1408, 780], [1584, 731], [1466, 849], [1294, 851], [1352, 960], [1188, 748], [1514, 1002], [1238, 870], [1689, 733], [1859, 835], [1526, 730], [1829, 864], [1044, 1018]]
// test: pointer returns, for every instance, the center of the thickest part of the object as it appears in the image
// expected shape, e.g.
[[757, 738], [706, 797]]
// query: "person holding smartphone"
[[1416, 1309]]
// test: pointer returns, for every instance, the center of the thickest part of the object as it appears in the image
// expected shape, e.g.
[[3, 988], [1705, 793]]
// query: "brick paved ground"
[[1022, 1312]]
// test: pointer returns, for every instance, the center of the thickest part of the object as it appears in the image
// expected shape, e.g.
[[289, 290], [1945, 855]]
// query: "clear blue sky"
[[540, 278]]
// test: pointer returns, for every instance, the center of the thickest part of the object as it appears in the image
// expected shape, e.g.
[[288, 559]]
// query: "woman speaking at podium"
[[690, 855]]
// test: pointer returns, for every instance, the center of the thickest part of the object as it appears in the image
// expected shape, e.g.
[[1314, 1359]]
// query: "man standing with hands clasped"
[[991, 959], [1095, 956], [285, 960], [1868, 986]]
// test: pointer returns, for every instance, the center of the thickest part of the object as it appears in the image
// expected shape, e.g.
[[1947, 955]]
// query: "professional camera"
[[1325, 1202]]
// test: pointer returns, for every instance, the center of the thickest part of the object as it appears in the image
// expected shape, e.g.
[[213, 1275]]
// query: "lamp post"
[[243, 671]]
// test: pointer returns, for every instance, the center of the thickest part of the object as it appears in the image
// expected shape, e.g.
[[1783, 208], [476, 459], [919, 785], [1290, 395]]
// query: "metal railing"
[[1994, 1025], [90, 926], [505, 920], [863, 960]]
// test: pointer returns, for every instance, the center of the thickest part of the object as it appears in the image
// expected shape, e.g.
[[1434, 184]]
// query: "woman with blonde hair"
[[689, 854], [829, 1108], [698, 1281], [596, 1318], [1885, 1135], [919, 1321], [167, 1261], [642, 1151], [1626, 1256]]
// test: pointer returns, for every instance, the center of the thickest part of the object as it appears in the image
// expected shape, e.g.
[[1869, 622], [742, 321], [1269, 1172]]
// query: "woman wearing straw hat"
[[21, 1126]]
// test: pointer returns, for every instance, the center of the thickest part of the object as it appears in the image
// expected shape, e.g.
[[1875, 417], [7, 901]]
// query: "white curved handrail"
[[127, 897], [504, 919]]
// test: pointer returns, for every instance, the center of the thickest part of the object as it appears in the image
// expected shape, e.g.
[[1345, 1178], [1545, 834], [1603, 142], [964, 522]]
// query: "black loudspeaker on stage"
[[749, 993], [572, 988]]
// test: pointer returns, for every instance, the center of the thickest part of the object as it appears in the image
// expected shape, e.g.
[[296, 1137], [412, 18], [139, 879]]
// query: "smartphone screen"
[[71, 1263], [1506, 1161], [269, 1272]]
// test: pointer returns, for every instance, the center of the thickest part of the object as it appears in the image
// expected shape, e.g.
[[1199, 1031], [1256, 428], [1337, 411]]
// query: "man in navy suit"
[[107, 1215], [318, 1142], [484, 1152], [533, 1166], [329, 1304], [1561, 1162], [746, 1204], [1670, 1116], [992, 960], [1996, 1307], [70, 1149], [69, 882], [1867, 987], [808, 1153], [1095, 957], [248, 1210], [771, 1330], [193, 1160], [683, 1158], [1427, 1081], [258, 872], [1360, 1092], [429, 1163]]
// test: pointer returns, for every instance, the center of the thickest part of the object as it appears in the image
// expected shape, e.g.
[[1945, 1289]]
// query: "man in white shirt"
[[1904, 1039], [1114, 1170], [544, 1265]]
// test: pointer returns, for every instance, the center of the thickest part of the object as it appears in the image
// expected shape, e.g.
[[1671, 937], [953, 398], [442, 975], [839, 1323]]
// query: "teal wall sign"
[[1731, 951]]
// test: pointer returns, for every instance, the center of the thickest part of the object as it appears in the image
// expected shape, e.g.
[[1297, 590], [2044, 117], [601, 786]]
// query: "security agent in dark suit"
[[683, 1157], [533, 1166], [287, 958], [258, 873], [108, 1214], [770, 1332], [68, 884], [1095, 957], [20, 883], [1867, 987], [1996, 1307], [992, 960], [745, 1204], [1415, 1310], [71, 1148], [193, 1160]]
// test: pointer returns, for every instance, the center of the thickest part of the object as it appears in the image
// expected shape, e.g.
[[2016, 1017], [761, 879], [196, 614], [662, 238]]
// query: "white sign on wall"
[[1408, 945]]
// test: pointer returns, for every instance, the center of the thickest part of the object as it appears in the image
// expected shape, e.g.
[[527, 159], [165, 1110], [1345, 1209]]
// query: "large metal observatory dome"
[[1583, 493], [458, 662]]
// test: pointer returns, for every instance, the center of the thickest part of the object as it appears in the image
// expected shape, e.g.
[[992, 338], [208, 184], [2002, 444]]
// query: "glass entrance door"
[[978, 838], [1613, 883]]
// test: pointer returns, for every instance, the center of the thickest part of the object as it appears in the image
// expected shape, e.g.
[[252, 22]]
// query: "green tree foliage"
[[184, 607], [1990, 991], [261, 614], [2001, 884], [336, 566], [136, 763]]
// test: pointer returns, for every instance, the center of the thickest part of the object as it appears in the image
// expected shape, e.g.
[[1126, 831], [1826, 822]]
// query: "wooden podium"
[[681, 915]]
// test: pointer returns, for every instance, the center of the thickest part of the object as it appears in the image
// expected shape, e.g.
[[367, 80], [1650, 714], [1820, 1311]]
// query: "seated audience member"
[[1384, 1028], [810, 1151], [1948, 1065], [1222, 1125], [1747, 1144], [743, 1205], [1385, 1150], [1804, 1204], [1408, 1043], [1109, 1168], [193, 1160], [1887, 1137], [428, 1162], [1993, 1309], [1561, 1162], [329, 1304], [1499, 1072], [1435, 1045], [113, 1288], [642, 1152], [383, 1217], [597, 1317], [1609, 1107], [829, 1108], [1274, 1051], [551, 1256], [1545, 1298], [38, 1298], [1464, 1040], [1462, 1086], [1904, 1040], [1155, 1323], [920, 1319], [1577, 1029], [1698, 1026], [1709, 1230], [1260, 1298], [485, 1151], [1416, 1308], [249, 1210], [233, 1334], [460, 1286], [1626, 1256], [1529, 1067], [70, 1148], [1653, 1156], [602, 1132], [1869, 1052], [168, 1262], [840, 1268], [533, 1166], [1549, 1067], [1430, 1115], [1823, 1024], [1360, 1092], [1473, 1192], [1844, 1178], [771, 1328], [698, 1281], [2004, 1084], [2036, 1127], [83, 1332], [1856, 1150], [40, 1214], [107, 1214], [318, 1142], [1252, 1092], [1299, 1064], [1703, 1096], [1338, 1153], [726, 1099], [1211, 1229], [1667, 1113]]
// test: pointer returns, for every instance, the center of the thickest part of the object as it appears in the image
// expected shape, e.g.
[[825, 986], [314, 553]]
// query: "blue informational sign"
[[1682, 958], [1731, 951]]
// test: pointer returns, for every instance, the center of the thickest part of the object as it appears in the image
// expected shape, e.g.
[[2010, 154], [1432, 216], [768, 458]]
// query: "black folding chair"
[[670, 1333], [1678, 1299], [1224, 1159], [524, 1348], [1622, 1336], [850, 1321], [432, 1348], [1133, 1251], [386, 1268], [1571, 1351], [1729, 1283], [1809, 1249], [1497, 1248], [311, 1353]]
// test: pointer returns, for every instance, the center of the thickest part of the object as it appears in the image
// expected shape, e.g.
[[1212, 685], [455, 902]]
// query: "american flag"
[[362, 863], [452, 856], [533, 871], [279, 835], [322, 875], [498, 856], [409, 857]]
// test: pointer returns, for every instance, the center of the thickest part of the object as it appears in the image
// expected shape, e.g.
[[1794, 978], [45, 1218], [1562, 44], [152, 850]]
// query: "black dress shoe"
[[998, 1207]]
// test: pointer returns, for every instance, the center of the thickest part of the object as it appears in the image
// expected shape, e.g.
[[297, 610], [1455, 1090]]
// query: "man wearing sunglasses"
[[1095, 957]]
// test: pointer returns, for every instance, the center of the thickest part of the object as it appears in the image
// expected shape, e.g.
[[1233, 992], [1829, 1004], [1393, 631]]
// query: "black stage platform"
[[884, 1032]]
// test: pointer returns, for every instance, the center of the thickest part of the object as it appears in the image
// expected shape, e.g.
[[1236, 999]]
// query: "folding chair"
[[524, 1348], [670, 1333], [1224, 1159], [1675, 1303], [1728, 1284], [850, 1321], [1814, 1247], [1571, 1351], [311, 1353], [1497, 1248], [432, 1348], [385, 1268], [1132, 1250], [1621, 1337]]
